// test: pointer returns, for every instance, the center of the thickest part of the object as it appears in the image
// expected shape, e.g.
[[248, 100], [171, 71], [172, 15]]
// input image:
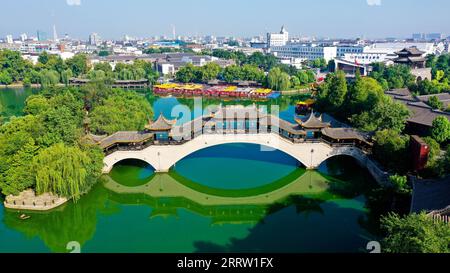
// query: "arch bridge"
[[311, 141]]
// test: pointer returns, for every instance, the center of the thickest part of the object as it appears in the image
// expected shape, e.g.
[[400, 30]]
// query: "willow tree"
[[62, 170]]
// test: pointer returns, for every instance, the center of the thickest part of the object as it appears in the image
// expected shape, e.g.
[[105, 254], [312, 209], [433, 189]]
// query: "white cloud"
[[374, 2], [73, 2]]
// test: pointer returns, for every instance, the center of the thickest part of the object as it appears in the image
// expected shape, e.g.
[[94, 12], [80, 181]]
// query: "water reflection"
[[135, 210], [12, 101]]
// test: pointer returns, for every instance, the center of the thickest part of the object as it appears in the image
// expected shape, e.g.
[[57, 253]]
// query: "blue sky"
[[323, 18]]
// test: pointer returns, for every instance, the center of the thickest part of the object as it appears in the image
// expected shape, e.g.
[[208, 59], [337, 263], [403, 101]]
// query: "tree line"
[[51, 70], [277, 78]]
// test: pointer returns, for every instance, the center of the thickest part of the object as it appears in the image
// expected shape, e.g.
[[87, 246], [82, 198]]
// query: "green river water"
[[228, 198]]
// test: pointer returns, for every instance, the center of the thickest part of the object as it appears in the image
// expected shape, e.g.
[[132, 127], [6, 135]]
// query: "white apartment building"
[[278, 39], [166, 69], [9, 39], [349, 49], [305, 51], [23, 37]]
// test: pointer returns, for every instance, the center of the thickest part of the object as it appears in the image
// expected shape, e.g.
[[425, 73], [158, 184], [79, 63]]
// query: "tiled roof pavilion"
[[161, 124]]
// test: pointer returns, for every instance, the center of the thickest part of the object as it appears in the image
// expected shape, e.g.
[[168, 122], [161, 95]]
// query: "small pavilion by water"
[[161, 128]]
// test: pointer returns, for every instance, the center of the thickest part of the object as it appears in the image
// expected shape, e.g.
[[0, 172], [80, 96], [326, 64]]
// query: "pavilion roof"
[[161, 124], [410, 51], [345, 134], [313, 122], [125, 137]]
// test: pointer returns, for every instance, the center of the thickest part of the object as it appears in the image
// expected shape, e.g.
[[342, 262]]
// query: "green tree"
[[5, 78], [104, 66], [207, 72], [295, 82], [96, 75], [232, 73], [440, 129], [319, 63], [13, 67], [103, 53], [62, 170], [415, 233], [65, 76], [36, 104], [78, 65], [333, 92], [252, 73], [43, 58], [123, 111], [186, 73], [443, 164], [391, 149], [49, 78], [265, 62], [392, 77], [435, 151], [386, 114], [400, 184], [364, 94], [17, 148], [435, 103], [278, 80]]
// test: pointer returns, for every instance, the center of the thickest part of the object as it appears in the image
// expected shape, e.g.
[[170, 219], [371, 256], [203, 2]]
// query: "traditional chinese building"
[[412, 57], [161, 128], [313, 125]]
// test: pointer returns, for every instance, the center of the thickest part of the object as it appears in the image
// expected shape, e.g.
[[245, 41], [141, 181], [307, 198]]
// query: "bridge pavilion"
[[161, 128], [233, 120], [313, 125]]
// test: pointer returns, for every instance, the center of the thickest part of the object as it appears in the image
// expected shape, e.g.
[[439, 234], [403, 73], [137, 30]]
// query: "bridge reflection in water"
[[185, 214], [168, 192], [311, 141]]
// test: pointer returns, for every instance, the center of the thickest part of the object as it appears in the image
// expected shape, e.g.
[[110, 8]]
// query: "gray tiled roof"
[[161, 123], [421, 113], [430, 195], [124, 137], [312, 121]]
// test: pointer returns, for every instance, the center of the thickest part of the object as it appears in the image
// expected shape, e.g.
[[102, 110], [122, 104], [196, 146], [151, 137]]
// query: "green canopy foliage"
[[391, 149], [415, 233], [61, 170], [332, 93], [123, 111], [278, 80], [440, 129]]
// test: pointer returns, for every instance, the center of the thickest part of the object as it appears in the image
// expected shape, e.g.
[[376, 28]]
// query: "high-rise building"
[[23, 37], [94, 39], [9, 39], [41, 35], [278, 39], [55, 35]]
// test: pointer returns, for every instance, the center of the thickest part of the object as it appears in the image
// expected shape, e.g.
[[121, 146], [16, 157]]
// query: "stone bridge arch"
[[163, 157]]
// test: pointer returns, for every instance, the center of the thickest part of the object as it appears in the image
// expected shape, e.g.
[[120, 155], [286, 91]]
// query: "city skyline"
[[323, 18]]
